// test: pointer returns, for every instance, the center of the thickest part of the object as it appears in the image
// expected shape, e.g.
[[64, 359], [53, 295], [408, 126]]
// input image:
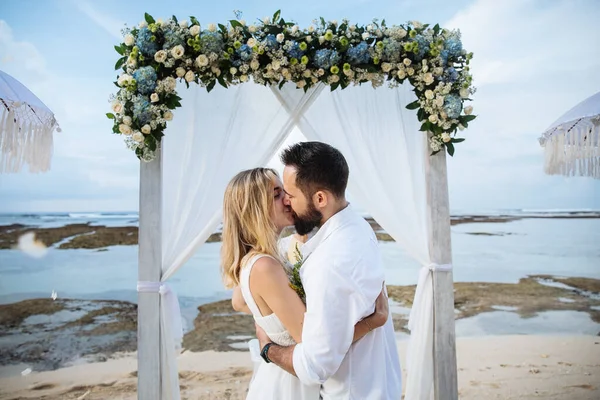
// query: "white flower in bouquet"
[[446, 137], [433, 118], [464, 93], [180, 72], [321, 39], [131, 62], [127, 120], [352, 28], [410, 71], [295, 29], [242, 22], [168, 116], [183, 24], [138, 137], [117, 106], [233, 70], [309, 39], [189, 76], [401, 74], [379, 33], [334, 22], [129, 40], [212, 27], [314, 79], [468, 110], [437, 71], [143, 24], [170, 83], [254, 64], [177, 52], [400, 33], [195, 30], [124, 79], [216, 71], [366, 35], [311, 29], [334, 78], [146, 129], [428, 78], [307, 73], [461, 127], [276, 65], [369, 28], [439, 101], [202, 60], [407, 62], [251, 42], [154, 98], [386, 67], [416, 24], [159, 21], [160, 56], [244, 78], [252, 28], [320, 72], [280, 37], [125, 129], [434, 144], [444, 115], [266, 20], [429, 94]]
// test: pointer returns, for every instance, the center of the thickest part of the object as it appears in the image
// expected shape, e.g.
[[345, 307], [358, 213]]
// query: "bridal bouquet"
[[295, 281]]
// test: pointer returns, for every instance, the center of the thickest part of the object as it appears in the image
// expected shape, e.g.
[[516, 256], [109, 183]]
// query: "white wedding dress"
[[269, 381]]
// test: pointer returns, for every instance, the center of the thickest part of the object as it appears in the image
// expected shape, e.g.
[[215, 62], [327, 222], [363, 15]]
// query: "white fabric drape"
[[214, 136], [386, 154]]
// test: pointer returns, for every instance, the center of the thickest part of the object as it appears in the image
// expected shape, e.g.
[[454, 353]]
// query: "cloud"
[[107, 22], [18, 58]]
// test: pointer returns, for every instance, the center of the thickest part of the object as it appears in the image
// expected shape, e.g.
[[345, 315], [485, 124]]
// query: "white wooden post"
[[150, 257], [445, 383]]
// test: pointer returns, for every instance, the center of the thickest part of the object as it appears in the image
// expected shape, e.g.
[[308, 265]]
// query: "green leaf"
[[110, 115], [322, 21], [421, 114], [414, 105], [194, 20], [120, 63], [120, 50], [436, 29], [223, 29], [221, 82], [175, 19], [236, 24], [457, 140], [211, 85], [276, 16], [335, 86], [149, 18], [450, 148], [281, 84], [425, 127], [467, 118], [116, 129]]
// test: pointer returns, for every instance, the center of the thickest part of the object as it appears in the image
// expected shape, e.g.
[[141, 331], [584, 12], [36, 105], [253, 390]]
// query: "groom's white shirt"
[[342, 275]]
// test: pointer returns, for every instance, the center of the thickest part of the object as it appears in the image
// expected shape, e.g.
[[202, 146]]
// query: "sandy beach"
[[493, 367]]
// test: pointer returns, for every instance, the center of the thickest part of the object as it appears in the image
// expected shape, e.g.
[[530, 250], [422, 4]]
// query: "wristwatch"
[[263, 353]]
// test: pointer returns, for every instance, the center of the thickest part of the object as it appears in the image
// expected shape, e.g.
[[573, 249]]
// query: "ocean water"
[[484, 252]]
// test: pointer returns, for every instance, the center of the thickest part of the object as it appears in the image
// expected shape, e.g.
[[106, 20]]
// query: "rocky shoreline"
[[88, 236], [48, 334]]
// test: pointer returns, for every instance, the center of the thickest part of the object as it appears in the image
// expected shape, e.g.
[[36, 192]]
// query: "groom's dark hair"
[[319, 166]]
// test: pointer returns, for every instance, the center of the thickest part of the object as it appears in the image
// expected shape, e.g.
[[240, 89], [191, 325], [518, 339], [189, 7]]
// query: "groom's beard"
[[304, 224]]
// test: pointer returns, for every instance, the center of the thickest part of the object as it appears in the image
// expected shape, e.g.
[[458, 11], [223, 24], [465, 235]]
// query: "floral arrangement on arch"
[[157, 53]]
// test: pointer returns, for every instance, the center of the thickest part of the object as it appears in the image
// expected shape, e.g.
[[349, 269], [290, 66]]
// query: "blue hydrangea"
[[359, 54], [452, 106], [392, 50], [453, 46], [146, 79], [450, 75], [146, 43], [326, 58], [270, 42], [444, 57], [141, 110], [172, 40], [211, 42], [423, 46], [245, 52], [294, 51]]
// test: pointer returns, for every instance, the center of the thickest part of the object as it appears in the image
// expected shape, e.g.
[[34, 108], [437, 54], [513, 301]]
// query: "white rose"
[[446, 137], [243, 22], [311, 29], [301, 84], [401, 74], [428, 78], [252, 28], [416, 24], [386, 67], [216, 71], [143, 24], [146, 129], [212, 27], [266, 20], [189, 76], [168, 116], [334, 78], [444, 115], [410, 71], [251, 42], [125, 129], [254, 64], [233, 70], [438, 71], [407, 62], [295, 28], [352, 28], [117, 107], [202, 60], [366, 35], [129, 40], [127, 120], [433, 118], [321, 72], [308, 39], [244, 78], [276, 65], [439, 101], [180, 72], [183, 24], [160, 56], [464, 93], [154, 98], [314, 79], [307, 73], [461, 127], [124, 79], [321, 39], [401, 33], [195, 30], [280, 37], [177, 52], [468, 110], [138, 137], [429, 94]]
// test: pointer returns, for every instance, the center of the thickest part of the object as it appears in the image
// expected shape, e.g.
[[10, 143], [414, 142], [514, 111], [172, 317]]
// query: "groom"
[[342, 276]]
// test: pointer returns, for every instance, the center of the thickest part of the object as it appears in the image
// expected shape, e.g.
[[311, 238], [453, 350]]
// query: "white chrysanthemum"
[[212, 27], [138, 137], [129, 39], [446, 137], [189, 76], [195, 30], [146, 129], [160, 56], [202, 60], [125, 129], [177, 52]]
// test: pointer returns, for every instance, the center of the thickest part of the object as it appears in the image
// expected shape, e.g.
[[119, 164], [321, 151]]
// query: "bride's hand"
[[382, 310]]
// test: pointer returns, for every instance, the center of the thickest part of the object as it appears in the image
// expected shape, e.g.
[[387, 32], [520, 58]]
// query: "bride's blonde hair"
[[248, 226]]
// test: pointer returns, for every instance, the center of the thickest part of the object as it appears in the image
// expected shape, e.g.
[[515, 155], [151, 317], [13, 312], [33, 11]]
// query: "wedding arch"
[[395, 139]]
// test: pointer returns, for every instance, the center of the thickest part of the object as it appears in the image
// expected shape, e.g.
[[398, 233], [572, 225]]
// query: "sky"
[[534, 60]]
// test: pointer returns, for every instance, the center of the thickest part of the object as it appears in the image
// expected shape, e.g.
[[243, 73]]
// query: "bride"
[[254, 214]]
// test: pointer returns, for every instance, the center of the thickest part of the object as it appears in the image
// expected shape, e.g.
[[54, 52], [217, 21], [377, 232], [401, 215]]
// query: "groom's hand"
[[262, 337], [382, 310]]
